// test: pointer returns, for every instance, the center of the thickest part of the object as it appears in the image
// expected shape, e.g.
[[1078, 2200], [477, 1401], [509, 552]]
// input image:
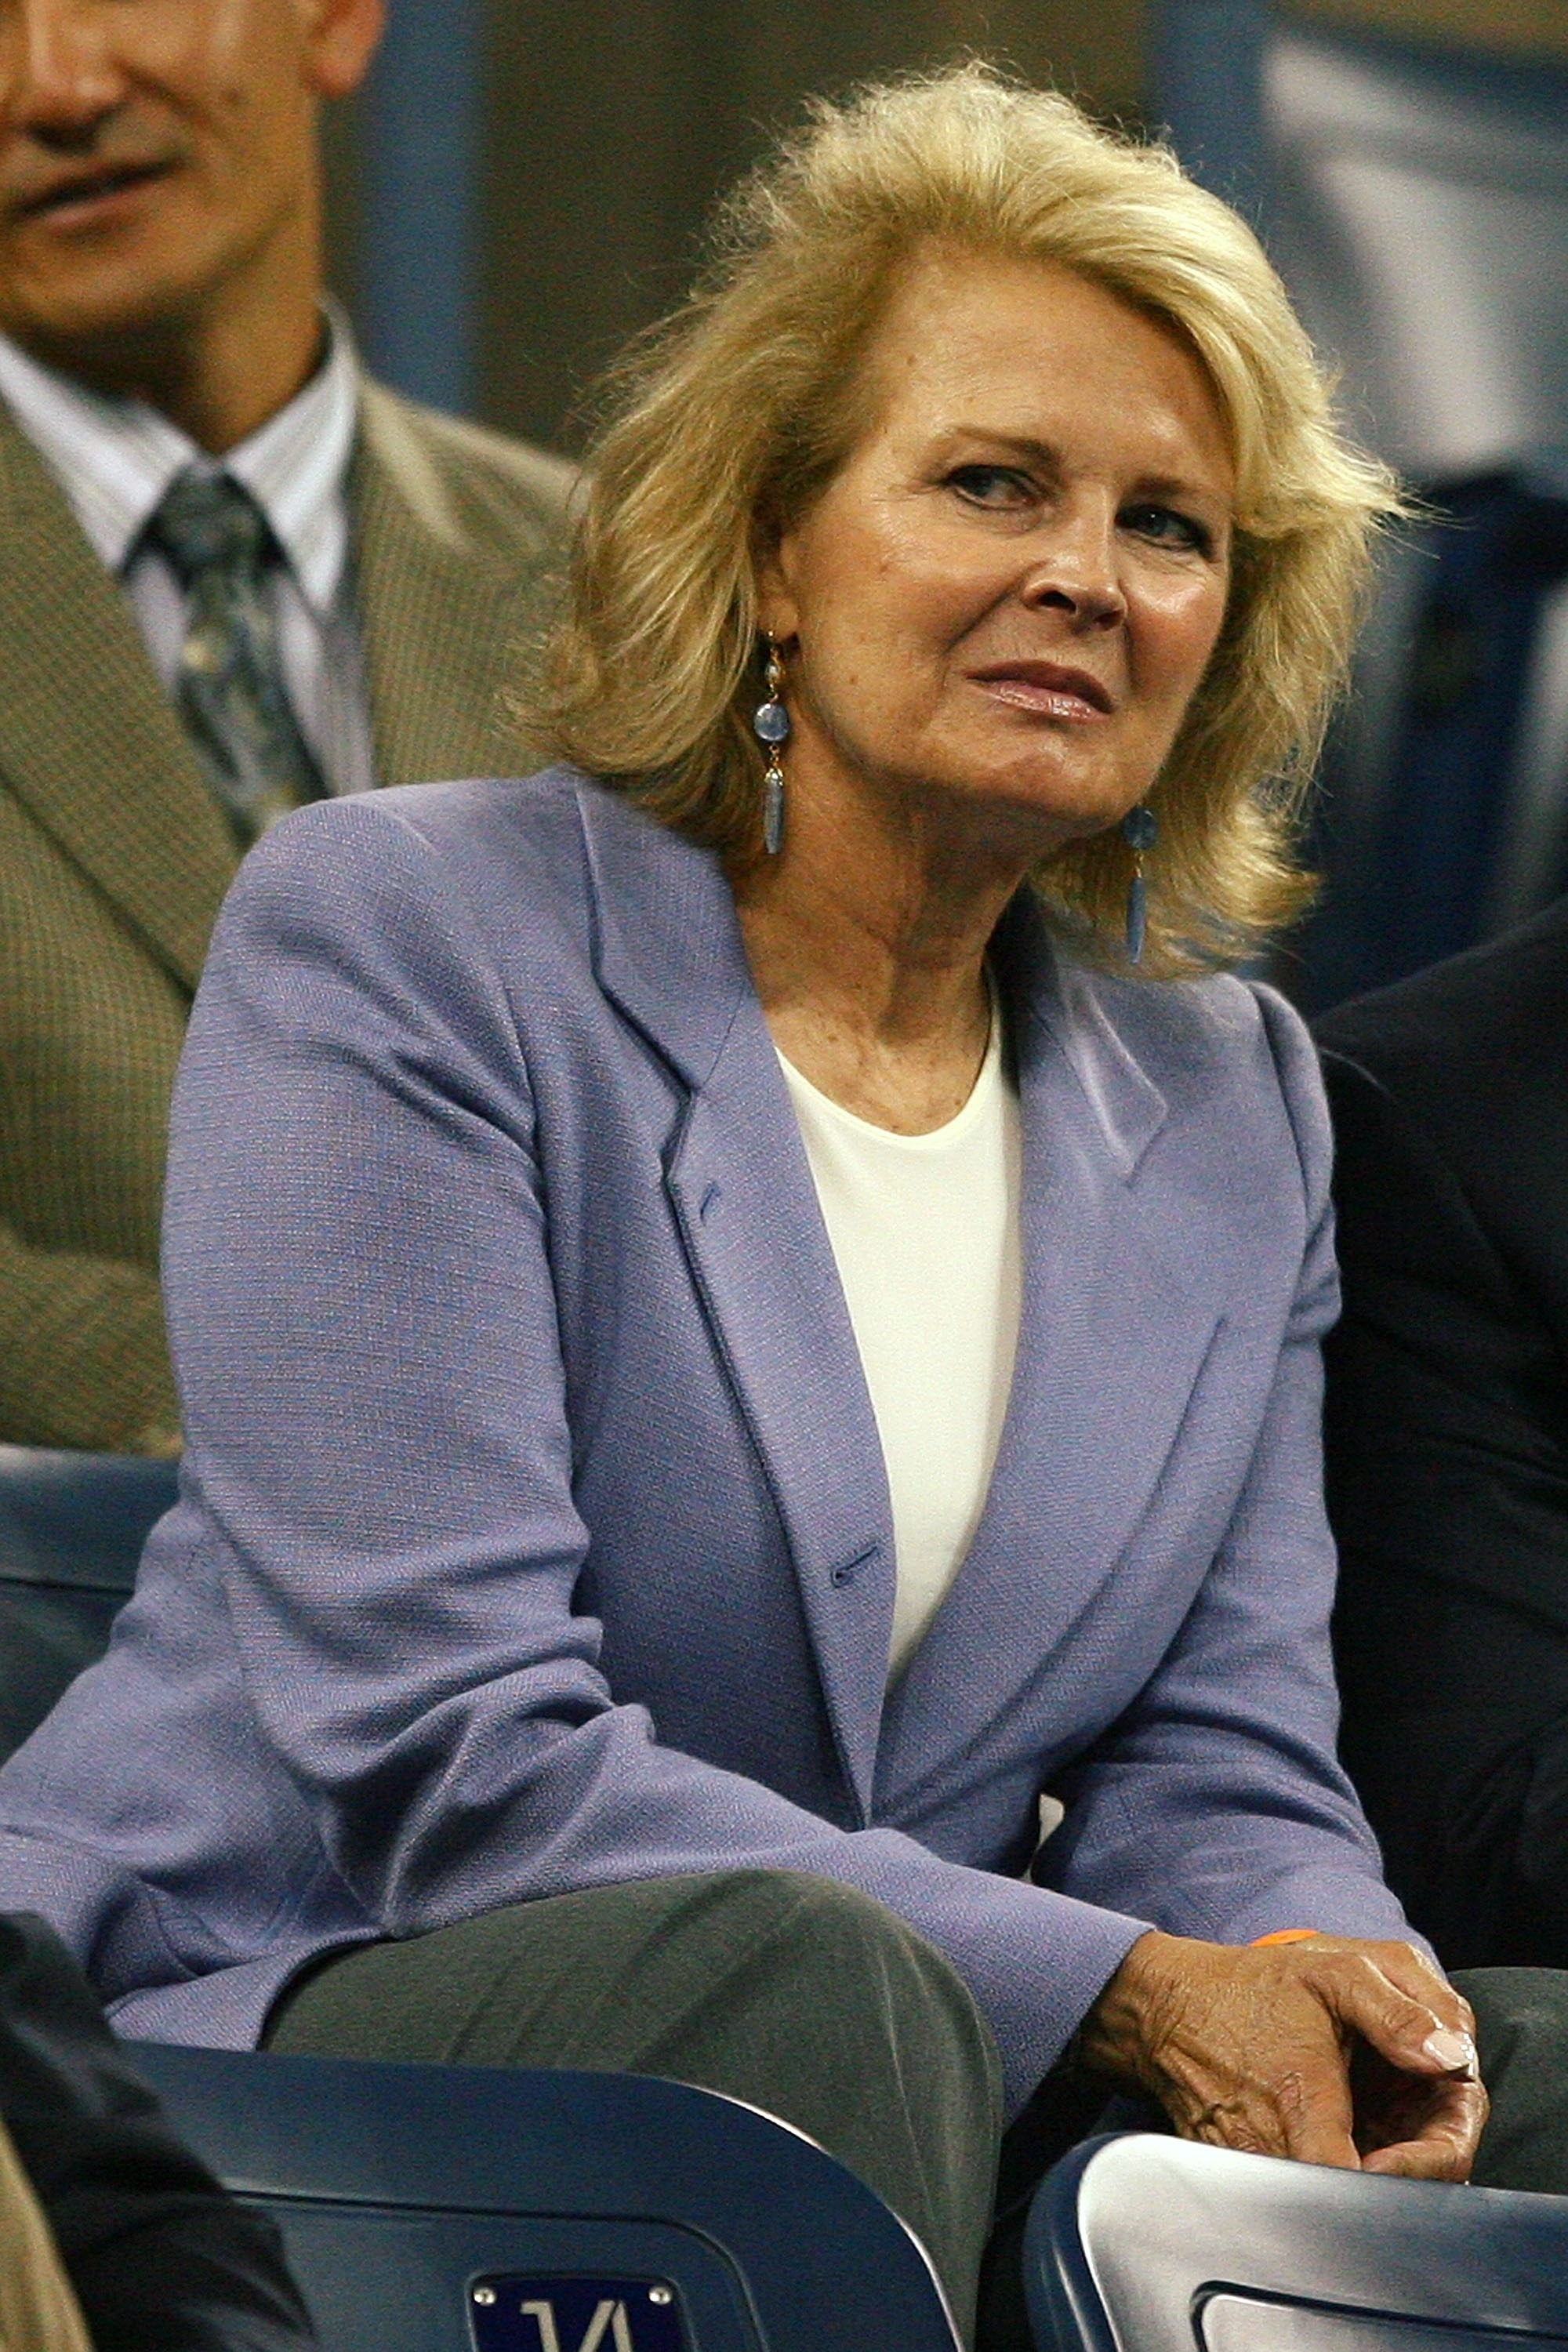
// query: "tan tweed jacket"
[[114, 859]]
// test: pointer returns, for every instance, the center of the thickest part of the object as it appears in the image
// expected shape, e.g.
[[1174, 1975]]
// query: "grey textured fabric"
[[114, 859], [1522, 2029], [799, 1996]]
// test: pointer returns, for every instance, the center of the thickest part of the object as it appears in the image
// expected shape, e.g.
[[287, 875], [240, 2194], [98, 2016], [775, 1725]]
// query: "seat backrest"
[[1143, 2243], [435, 2209], [71, 1530]]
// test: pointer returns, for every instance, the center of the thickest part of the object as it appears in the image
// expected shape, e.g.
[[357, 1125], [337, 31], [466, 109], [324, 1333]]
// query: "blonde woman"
[[748, 1307]]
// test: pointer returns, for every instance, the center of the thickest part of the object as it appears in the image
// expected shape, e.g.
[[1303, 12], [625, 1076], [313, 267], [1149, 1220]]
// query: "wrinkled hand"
[[1335, 2052]]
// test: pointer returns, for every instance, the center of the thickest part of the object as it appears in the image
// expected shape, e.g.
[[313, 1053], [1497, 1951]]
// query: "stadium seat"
[[437, 2209], [71, 1530], [1143, 2243]]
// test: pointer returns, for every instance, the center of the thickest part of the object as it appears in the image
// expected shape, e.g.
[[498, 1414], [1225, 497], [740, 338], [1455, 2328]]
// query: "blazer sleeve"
[[83, 1358], [364, 1325], [1228, 1757]]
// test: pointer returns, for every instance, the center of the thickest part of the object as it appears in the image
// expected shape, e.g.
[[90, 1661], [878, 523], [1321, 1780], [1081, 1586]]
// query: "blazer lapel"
[[445, 615], [1115, 1324], [670, 955], [1115, 1330], [88, 740]]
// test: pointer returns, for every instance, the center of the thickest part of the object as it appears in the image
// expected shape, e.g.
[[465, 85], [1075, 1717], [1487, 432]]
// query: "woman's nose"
[[1078, 572], [57, 75]]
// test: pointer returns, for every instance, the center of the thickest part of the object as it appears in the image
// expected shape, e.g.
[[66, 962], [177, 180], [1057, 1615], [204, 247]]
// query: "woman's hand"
[[1332, 2051]]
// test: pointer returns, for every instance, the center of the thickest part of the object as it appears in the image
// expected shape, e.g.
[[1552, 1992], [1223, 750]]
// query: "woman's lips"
[[1048, 694]]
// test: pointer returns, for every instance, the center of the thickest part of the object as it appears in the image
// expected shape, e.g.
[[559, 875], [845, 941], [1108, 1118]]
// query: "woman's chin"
[[1041, 818]]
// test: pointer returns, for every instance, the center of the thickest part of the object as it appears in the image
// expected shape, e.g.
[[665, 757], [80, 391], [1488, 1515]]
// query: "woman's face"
[[1005, 600]]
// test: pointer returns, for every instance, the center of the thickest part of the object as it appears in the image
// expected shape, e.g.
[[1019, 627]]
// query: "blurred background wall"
[[604, 129], [524, 184], [581, 143]]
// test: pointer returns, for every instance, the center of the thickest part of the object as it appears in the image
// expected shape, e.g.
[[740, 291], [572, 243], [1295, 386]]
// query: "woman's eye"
[[1167, 527], [991, 485]]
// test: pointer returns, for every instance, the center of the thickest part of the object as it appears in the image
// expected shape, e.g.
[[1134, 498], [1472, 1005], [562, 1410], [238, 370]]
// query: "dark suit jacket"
[[114, 860], [1448, 1436], [158, 2255]]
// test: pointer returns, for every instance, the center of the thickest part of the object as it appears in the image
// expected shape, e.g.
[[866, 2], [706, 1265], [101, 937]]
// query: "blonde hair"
[[728, 418]]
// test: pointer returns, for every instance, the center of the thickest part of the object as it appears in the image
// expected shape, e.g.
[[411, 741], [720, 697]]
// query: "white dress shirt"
[[115, 458], [924, 1230]]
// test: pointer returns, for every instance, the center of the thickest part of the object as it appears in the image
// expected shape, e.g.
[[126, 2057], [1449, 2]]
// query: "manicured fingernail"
[[1454, 2053]]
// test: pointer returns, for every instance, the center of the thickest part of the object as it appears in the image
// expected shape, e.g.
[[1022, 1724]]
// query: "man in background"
[[234, 575], [1448, 1437]]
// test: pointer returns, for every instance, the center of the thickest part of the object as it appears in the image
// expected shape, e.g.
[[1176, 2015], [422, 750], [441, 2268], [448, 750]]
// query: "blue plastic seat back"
[[71, 1530], [435, 2209], [1142, 2244]]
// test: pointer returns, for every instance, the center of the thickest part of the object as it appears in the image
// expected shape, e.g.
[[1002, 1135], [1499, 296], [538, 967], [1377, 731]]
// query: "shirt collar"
[[115, 458]]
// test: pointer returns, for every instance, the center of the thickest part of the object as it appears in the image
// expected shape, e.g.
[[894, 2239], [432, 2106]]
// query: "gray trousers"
[[813, 2001], [794, 1993]]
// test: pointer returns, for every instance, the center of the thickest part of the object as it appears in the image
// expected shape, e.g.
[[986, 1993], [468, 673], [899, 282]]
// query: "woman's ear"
[[772, 570]]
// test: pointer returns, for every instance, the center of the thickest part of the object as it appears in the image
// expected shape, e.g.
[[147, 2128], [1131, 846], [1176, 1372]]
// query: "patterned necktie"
[[230, 689]]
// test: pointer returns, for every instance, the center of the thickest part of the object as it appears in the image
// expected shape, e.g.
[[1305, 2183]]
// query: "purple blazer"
[[534, 1532]]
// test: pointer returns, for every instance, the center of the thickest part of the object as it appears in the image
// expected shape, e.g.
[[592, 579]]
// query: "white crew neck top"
[[924, 1230]]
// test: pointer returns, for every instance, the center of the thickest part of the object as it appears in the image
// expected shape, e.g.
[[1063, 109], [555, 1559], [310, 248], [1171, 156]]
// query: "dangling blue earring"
[[1138, 829], [770, 721]]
